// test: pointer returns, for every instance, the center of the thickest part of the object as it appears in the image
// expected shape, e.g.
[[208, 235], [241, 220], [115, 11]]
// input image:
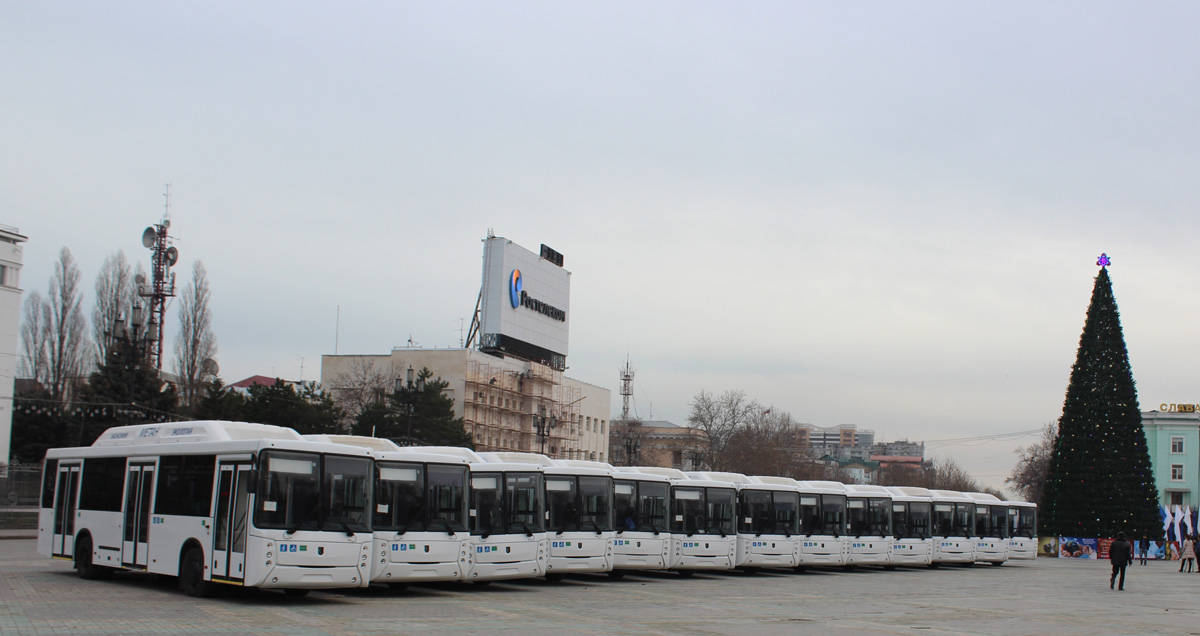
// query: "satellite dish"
[[172, 256], [148, 237], [210, 367], [139, 279]]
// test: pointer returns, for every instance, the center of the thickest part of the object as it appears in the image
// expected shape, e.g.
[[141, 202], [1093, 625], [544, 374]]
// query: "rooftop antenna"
[[626, 390], [163, 257]]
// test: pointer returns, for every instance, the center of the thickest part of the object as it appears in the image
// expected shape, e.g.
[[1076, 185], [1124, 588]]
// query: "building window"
[[1177, 499], [1176, 472], [1176, 444]]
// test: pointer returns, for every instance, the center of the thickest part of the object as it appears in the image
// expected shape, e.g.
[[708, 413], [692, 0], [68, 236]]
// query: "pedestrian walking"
[[1187, 553], [1120, 554], [1143, 548]]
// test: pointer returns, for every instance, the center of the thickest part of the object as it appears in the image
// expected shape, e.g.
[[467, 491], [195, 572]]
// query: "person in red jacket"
[[1120, 553]]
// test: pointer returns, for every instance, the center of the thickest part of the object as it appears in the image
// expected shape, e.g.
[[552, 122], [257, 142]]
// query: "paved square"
[[1047, 596]]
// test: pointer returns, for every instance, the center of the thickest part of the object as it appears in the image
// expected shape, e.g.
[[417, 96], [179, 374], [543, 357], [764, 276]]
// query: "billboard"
[[525, 309]]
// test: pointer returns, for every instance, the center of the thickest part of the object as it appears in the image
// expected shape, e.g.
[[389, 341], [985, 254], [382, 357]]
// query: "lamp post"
[[132, 341], [408, 397], [633, 447], [543, 425]]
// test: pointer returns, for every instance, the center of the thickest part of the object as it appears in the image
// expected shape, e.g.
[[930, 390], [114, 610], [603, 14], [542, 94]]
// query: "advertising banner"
[[1077, 547], [1048, 546]]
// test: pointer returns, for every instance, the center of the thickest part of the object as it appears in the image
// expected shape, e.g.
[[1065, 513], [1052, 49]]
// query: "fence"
[[20, 489]]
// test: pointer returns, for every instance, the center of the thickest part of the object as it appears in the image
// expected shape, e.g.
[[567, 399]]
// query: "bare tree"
[[718, 419], [1028, 477], [196, 341], [625, 439], [67, 342], [765, 445], [33, 362], [946, 474], [113, 286], [364, 383]]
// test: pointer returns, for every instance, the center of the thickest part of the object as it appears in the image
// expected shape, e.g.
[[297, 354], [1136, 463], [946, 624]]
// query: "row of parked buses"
[[262, 506]]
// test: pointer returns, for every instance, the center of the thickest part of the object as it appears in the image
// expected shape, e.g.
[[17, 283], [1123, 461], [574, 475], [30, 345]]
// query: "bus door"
[[229, 543], [139, 486], [65, 496]]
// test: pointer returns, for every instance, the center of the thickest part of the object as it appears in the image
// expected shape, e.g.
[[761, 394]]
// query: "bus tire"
[[83, 561], [616, 574], [191, 575], [997, 563], [933, 566], [554, 576], [686, 574], [295, 593], [397, 586]]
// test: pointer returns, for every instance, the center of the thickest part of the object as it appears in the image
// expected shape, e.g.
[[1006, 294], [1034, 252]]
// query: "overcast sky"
[[881, 214]]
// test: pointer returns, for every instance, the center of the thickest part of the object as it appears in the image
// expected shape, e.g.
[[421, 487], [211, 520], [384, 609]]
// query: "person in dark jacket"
[[1120, 553]]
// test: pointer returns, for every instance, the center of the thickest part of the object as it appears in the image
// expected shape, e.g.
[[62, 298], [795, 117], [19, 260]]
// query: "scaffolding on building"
[[501, 406]]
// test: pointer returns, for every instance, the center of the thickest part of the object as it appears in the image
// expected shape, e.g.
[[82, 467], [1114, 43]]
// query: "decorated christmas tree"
[[1100, 480]]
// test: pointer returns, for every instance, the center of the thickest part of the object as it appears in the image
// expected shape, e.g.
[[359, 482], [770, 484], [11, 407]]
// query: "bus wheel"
[[294, 593], [933, 566], [616, 574], [83, 562], [554, 576], [397, 587], [685, 574], [191, 575], [997, 563]]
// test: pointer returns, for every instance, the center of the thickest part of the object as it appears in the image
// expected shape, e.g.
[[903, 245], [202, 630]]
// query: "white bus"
[[868, 525], [991, 528], [768, 520], [419, 521], [823, 524], [578, 512], [642, 539], [1022, 530], [912, 513], [507, 514], [953, 526], [211, 502], [703, 533]]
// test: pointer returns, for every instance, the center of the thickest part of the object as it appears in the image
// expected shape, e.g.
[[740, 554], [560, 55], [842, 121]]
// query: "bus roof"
[[374, 443], [196, 431], [867, 490], [984, 498], [911, 491]]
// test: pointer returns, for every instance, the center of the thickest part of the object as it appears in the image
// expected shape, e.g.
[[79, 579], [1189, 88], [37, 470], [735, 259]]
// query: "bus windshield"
[[721, 502], [506, 503], [833, 514], [640, 506], [963, 514], [918, 520], [312, 491], [786, 506], [755, 516], [879, 520], [810, 514], [856, 516], [998, 522], [415, 497], [1023, 522]]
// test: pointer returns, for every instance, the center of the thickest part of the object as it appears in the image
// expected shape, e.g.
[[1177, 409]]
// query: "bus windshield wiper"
[[345, 526], [305, 518], [654, 527], [412, 517], [596, 526], [449, 530]]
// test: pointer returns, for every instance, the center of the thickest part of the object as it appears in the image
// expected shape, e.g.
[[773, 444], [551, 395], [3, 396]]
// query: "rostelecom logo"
[[514, 288]]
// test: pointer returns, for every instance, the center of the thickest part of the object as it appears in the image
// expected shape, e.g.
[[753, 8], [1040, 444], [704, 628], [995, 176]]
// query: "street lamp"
[[633, 447], [408, 397], [543, 425]]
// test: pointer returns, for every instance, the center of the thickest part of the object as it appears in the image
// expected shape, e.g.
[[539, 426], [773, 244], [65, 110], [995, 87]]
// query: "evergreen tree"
[[421, 415], [309, 411], [1100, 479], [220, 402], [126, 389]]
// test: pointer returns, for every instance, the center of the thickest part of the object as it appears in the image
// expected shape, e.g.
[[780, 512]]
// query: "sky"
[[880, 214]]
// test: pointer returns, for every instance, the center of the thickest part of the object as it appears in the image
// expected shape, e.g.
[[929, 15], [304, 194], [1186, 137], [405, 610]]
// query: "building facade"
[[1173, 439], [507, 403], [11, 258]]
